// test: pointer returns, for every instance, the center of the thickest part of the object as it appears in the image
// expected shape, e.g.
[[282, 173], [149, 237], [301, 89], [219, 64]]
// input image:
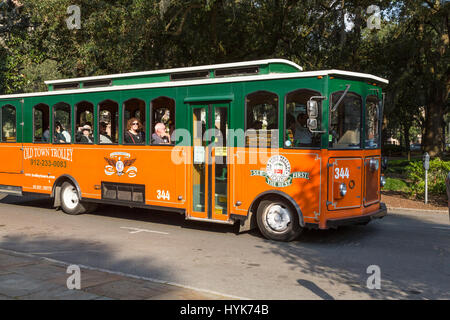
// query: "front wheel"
[[277, 220], [70, 199]]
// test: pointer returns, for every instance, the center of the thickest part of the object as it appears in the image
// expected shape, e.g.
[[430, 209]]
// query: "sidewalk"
[[25, 277]]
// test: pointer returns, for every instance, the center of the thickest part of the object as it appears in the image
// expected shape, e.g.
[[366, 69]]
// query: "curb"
[[417, 210], [64, 263]]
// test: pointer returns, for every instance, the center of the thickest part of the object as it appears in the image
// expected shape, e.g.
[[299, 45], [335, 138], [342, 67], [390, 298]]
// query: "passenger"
[[134, 134], [59, 137], [302, 134], [160, 136], [79, 133], [257, 125], [66, 135], [86, 137], [46, 135], [105, 132]]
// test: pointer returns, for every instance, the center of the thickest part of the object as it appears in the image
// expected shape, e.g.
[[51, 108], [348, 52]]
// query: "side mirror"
[[312, 109], [312, 124]]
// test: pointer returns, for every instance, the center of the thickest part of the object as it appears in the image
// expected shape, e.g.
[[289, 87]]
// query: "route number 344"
[[162, 194], [341, 173]]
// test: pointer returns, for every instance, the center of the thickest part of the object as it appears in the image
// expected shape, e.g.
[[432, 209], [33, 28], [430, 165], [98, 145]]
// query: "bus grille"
[[123, 192]]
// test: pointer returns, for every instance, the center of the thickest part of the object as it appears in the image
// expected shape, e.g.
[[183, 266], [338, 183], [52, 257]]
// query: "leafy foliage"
[[436, 177]]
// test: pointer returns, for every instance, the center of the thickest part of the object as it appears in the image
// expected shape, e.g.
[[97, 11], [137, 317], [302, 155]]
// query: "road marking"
[[24, 254], [137, 230]]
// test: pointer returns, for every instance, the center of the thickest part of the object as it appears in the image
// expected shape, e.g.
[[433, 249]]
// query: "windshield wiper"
[[341, 98]]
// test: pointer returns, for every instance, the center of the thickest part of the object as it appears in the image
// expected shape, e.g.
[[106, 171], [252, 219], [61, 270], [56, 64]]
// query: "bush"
[[436, 177], [398, 166], [393, 184]]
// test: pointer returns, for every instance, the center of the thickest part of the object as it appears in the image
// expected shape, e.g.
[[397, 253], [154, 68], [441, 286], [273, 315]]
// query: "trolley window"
[[261, 120]]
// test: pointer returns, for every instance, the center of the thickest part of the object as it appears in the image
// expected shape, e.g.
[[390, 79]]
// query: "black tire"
[[288, 230], [70, 200]]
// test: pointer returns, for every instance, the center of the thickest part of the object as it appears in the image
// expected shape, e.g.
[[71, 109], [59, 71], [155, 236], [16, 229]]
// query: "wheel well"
[[274, 196], [56, 191]]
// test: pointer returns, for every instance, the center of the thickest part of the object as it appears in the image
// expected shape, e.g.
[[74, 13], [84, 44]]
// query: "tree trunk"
[[433, 138]]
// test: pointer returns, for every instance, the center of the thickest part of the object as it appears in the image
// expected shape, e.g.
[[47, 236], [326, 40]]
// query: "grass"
[[395, 184]]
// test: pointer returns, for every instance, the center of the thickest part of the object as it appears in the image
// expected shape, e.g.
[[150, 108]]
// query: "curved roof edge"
[[196, 68], [305, 74]]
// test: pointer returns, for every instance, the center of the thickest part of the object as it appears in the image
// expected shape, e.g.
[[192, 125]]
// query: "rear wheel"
[[70, 199], [277, 220]]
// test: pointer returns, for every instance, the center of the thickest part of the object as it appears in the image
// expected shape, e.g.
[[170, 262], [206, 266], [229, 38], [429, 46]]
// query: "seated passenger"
[[79, 133], [46, 135], [160, 136], [59, 137], [86, 135], [257, 125], [105, 132], [134, 134]]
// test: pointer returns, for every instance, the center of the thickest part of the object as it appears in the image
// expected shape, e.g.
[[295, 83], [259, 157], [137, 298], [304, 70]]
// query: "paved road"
[[411, 249]]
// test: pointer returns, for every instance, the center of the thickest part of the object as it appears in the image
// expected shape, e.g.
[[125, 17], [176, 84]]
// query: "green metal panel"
[[141, 79], [281, 68]]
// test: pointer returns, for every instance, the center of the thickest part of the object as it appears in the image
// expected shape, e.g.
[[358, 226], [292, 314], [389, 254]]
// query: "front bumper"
[[380, 213]]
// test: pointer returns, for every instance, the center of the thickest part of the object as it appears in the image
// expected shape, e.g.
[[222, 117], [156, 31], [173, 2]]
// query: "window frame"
[[49, 124], [124, 123], [151, 121], [245, 118], [361, 114], [314, 93], [1, 122], [75, 109], [54, 120], [98, 123], [378, 123]]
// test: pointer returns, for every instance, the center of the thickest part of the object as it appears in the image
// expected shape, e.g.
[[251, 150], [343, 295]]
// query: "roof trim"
[[201, 82], [176, 70]]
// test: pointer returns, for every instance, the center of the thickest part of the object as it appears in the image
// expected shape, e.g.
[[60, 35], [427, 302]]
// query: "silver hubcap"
[[70, 197], [277, 217]]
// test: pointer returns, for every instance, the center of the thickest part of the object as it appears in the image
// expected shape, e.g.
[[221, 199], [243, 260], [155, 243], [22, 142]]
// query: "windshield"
[[345, 121], [372, 123]]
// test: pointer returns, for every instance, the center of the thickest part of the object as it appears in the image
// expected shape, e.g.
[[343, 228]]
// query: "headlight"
[[382, 181], [343, 189], [373, 163]]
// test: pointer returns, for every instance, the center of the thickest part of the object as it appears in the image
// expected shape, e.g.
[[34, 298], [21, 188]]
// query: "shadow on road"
[[132, 214], [413, 255], [87, 253]]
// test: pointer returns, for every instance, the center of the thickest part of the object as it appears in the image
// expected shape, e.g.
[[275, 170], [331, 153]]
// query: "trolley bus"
[[258, 143]]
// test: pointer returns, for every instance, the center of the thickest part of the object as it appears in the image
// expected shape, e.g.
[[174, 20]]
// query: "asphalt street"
[[412, 251]]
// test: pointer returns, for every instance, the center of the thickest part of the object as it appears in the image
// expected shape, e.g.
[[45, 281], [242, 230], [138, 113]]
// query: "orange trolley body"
[[257, 176]]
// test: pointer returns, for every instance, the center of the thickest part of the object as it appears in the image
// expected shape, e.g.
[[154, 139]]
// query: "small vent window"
[[236, 72], [66, 86], [190, 75], [97, 83]]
